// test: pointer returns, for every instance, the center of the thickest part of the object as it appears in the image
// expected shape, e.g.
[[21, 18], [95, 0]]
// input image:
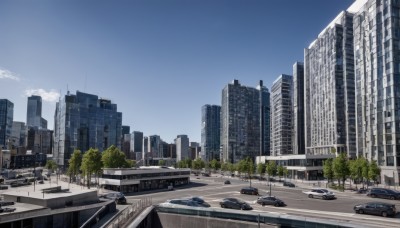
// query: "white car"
[[320, 193]]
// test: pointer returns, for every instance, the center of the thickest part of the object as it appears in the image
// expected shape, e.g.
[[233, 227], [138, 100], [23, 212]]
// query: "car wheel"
[[360, 211], [391, 197], [373, 195], [324, 197], [223, 206], [276, 205], [384, 214], [242, 192], [263, 204], [310, 196]]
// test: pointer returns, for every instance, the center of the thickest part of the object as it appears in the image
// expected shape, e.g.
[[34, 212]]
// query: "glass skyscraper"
[[298, 109], [6, 121], [245, 122], [84, 121], [34, 112], [210, 131]]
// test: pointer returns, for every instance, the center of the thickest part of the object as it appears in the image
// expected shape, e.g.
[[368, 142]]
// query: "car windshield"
[[197, 199]]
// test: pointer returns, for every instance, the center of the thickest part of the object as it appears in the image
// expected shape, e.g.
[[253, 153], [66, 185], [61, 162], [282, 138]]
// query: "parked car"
[[117, 196], [270, 200], [227, 182], [288, 184], [249, 191], [187, 202], [199, 201], [383, 193], [235, 204], [376, 208], [320, 193]]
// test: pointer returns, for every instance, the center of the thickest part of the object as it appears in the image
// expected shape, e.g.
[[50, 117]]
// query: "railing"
[[126, 216]]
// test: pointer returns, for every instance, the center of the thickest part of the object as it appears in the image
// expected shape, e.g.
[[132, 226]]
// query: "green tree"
[[198, 164], [271, 168], [285, 172], [51, 165], [161, 162], [374, 171], [355, 168], [231, 167], [341, 168], [280, 171], [261, 169], [215, 164], [114, 158], [75, 163], [91, 164], [328, 169], [364, 169], [224, 166], [131, 163]]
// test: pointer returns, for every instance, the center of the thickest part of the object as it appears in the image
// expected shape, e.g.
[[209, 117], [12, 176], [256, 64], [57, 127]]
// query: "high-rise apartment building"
[[84, 121], [377, 76], [34, 113], [281, 115], [6, 121], [245, 122], [298, 139], [329, 89], [182, 147], [210, 131]]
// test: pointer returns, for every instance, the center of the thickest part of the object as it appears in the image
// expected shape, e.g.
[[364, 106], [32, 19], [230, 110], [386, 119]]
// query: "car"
[[227, 182], [320, 193], [187, 202], [249, 191], [199, 201], [41, 182], [383, 193], [234, 203], [376, 208], [270, 200], [117, 196], [288, 184]]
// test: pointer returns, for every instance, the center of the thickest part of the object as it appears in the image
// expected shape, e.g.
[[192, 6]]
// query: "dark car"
[[227, 182], [199, 201], [118, 197], [249, 191], [383, 193], [235, 204], [376, 208], [187, 202], [288, 184], [270, 200]]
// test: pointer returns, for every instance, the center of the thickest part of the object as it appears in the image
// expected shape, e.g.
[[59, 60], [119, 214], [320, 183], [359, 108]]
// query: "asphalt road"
[[213, 190]]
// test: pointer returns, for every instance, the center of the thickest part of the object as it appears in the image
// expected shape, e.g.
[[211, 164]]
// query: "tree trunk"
[[88, 179]]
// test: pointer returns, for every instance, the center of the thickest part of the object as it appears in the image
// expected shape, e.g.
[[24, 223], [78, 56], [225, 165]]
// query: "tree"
[[374, 171], [51, 165], [75, 163], [215, 164], [198, 164], [355, 168], [225, 166], [341, 168], [161, 162], [285, 172], [280, 171], [114, 158], [364, 169], [261, 169], [231, 167], [328, 169], [271, 168], [91, 164]]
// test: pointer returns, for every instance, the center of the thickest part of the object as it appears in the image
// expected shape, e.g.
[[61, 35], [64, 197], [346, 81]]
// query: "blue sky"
[[158, 60]]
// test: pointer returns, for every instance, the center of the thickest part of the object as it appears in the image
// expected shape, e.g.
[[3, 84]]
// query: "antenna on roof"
[[67, 90]]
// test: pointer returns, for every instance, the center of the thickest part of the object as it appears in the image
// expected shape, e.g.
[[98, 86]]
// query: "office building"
[[136, 143], [39, 140], [182, 147], [126, 146], [84, 121], [377, 78], [18, 134], [154, 147], [34, 113], [298, 139], [6, 121], [281, 115], [329, 89], [210, 131], [194, 150], [245, 125]]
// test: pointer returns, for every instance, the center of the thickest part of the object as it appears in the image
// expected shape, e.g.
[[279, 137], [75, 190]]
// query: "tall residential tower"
[[210, 131]]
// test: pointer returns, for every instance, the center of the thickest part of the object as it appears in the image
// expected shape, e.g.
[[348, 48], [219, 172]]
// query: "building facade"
[[281, 115], [244, 122], [329, 89], [298, 139], [377, 75], [210, 131], [182, 147], [6, 121], [84, 121], [39, 140], [18, 134], [34, 112]]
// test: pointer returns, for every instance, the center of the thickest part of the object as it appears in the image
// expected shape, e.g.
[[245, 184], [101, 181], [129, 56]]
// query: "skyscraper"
[[6, 121], [377, 77], [155, 146], [182, 147], [281, 115], [136, 144], [298, 109], [244, 122], [329, 89], [84, 121], [18, 134], [210, 131], [34, 113]]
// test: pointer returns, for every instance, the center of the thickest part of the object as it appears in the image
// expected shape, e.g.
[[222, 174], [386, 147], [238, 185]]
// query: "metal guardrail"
[[129, 214]]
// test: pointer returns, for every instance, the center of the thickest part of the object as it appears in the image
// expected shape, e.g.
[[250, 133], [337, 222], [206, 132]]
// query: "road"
[[213, 190]]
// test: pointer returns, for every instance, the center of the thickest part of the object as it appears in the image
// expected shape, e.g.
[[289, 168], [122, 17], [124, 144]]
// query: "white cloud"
[[6, 74], [50, 96]]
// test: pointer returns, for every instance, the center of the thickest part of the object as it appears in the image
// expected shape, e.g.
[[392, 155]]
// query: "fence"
[[126, 216]]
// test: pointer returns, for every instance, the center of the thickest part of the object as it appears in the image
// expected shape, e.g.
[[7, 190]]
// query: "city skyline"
[[154, 58]]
